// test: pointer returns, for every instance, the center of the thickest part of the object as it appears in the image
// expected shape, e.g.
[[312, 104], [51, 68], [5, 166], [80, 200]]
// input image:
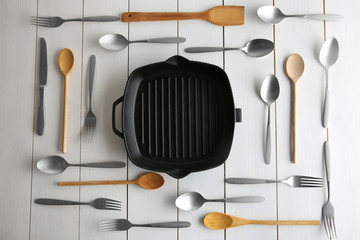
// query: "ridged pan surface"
[[178, 116]]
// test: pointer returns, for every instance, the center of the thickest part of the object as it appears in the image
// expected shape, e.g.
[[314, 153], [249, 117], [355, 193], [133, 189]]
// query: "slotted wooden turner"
[[219, 15]]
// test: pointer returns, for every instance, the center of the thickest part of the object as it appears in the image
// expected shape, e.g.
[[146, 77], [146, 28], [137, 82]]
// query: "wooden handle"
[[95, 183], [160, 16], [294, 128], [261, 222], [65, 117]]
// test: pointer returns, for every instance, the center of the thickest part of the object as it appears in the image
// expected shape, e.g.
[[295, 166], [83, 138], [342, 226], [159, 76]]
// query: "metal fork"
[[58, 21], [100, 203], [328, 211], [124, 224], [90, 119], [293, 181]]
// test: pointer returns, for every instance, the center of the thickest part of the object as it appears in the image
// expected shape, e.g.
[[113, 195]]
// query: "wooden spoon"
[[148, 181], [294, 69], [219, 221], [66, 65], [220, 15]]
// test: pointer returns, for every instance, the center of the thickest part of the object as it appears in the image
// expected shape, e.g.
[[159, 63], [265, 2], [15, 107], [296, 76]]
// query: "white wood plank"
[[344, 119], [208, 183], [59, 222], [300, 204], [247, 156], [110, 79], [145, 206], [17, 61]]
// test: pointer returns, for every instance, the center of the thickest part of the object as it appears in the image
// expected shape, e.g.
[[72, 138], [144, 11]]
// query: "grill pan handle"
[[115, 130]]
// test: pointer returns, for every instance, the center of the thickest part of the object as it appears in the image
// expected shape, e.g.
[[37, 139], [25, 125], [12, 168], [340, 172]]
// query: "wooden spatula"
[[220, 15]]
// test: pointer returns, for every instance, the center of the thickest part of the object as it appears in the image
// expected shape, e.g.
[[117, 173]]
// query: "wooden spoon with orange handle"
[[219, 221], [220, 15], [148, 181], [66, 65], [294, 69]]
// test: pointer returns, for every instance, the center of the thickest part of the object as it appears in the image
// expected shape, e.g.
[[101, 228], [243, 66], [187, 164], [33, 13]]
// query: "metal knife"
[[42, 82]]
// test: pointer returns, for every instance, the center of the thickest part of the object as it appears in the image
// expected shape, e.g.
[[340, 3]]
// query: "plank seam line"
[[34, 102], [127, 158]]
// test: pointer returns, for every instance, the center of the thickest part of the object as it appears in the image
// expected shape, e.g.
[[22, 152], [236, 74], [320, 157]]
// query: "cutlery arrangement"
[[117, 42], [124, 224], [292, 181], [294, 69], [270, 91], [42, 83], [90, 119], [218, 221], [66, 65], [100, 203], [192, 201], [197, 97], [57, 164], [273, 15]]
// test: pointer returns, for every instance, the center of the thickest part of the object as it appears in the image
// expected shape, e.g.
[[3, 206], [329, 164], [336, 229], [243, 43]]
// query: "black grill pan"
[[178, 116]]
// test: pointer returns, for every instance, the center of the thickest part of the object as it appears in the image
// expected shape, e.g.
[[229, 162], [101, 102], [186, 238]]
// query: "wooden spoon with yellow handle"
[[66, 65], [219, 221], [220, 15]]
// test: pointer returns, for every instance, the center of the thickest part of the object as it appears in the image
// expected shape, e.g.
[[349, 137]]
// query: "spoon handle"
[[268, 139], [113, 164], [160, 16], [167, 40], [294, 128], [326, 17], [249, 199], [208, 49], [326, 109], [166, 225], [95, 183], [65, 117], [263, 222]]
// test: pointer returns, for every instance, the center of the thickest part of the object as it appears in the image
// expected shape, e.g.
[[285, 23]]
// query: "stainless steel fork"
[[90, 119], [58, 21], [100, 203], [328, 211], [293, 181]]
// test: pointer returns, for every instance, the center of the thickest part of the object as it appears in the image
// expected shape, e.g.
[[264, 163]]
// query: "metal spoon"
[[117, 42], [57, 164], [270, 90], [192, 201], [328, 55], [255, 48], [273, 15]]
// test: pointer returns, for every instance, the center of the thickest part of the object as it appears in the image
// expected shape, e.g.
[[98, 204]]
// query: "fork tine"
[[311, 178], [326, 227], [113, 206], [331, 228], [41, 25], [333, 221], [112, 200], [311, 183]]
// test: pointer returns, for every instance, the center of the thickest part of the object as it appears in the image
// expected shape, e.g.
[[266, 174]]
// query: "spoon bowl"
[[150, 181], [270, 14], [190, 201], [258, 47], [114, 42], [329, 52], [52, 164], [66, 61]]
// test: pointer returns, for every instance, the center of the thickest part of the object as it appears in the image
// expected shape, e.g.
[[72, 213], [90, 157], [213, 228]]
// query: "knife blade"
[[42, 83]]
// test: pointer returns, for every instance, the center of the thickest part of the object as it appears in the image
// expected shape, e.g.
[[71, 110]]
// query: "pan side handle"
[[238, 115], [115, 130]]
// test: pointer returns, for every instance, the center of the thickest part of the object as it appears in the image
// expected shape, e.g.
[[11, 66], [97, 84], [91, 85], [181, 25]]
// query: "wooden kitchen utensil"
[[220, 15], [148, 181], [294, 69], [219, 221], [66, 65]]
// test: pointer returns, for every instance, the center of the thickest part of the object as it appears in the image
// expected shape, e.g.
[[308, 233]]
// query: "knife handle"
[[41, 112]]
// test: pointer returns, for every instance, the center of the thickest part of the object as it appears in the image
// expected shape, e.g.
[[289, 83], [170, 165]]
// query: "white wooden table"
[[21, 147]]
